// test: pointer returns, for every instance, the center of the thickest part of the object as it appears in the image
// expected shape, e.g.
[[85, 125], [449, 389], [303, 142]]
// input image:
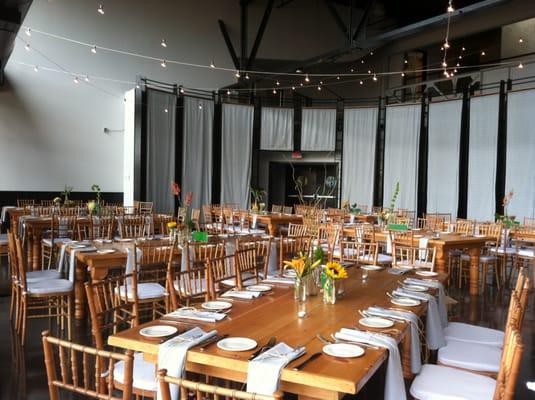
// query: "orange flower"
[[175, 188]]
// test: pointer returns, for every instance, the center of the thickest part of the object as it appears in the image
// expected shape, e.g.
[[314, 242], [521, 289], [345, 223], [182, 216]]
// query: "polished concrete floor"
[[23, 376]]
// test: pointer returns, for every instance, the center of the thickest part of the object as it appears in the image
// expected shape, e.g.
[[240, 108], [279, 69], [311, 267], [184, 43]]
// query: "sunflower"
[[335, 270]]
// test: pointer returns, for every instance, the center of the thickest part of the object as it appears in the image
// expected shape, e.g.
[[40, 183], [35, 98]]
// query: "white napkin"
[[416, 358], [388, 244], [61, 258], [197, 315], [172, 354], [394, 383], [351, 218], [442, 309], [531, 385], [422, 244], [433, 327], [254, 221], [279, 279], [241, 294], [130, 264], [264, 371]]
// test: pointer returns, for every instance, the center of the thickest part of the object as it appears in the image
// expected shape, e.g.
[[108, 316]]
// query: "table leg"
[[79, 291], [474, 270]]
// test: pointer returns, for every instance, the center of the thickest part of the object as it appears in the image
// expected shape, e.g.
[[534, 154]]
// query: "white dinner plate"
[[259, 288], [371, 267], [414, 288], [405, 301], [158, 331], [106, 251], [125, 240], [289, 273], [236, 344], [343, 350], [376, 322], [427, 273], [216, 305]]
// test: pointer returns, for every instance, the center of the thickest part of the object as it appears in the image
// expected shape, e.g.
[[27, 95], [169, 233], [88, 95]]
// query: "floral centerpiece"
[[388, 213], [66, 193], [507, 220], [332, 272], [93, 206], [258, 199], [303, 266]]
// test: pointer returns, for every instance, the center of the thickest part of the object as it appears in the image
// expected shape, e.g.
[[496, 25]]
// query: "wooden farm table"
[[274, 220], [276, 315], [444, 244]]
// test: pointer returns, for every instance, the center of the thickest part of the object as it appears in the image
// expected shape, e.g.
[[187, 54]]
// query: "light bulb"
[[163, 64], [301, 84], [460, 57], [200, 106], [403, 74], [338, 78], [361, 82], [446, 45], [369, 71], [450, 8], [307, 79], [278, 83], [212, 65], [362, 61], [237, 74], [375, 78], [293, 87], [76, 80], [463, 48], [442, 48], [406, 61], [352, 70], [94, 49], [457, 65], [137, 86], [274, 91], [321, 82], [27, 47], [319, 87], [228, 92], [483, 53], [100, 9], [165, 110], [371, 53], [520, 40], [182, 90], [86, 78], [28, 32], [444, 63], [163, 43], [520, 66], [455, 70], [36, 68], [247, 76], [446, 73]]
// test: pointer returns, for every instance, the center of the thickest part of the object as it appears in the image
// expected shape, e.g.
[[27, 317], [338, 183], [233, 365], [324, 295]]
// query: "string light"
[[361, 82], [301, 84], [371, 53], [520, 40], [460, 57], [163, 43], [200, 106], [463, 49], [165, 110], [228, 92], [237, 74], [274, 91], [369, 71], [337, 78], [100, 9], [402, 74], [36, 68], [307, 79], [212, 65], [450, 8], [446, 45], [76, 80], [352, 70], [94, 49], [319, 87], [374, 78], [362, 61], [444, 64], [247, 76], [405, 61], [28, 31], [483, 53], [183, 91], [163, 64], [86, 78], [520, 66], [27, 47], [293, 87], [137, 86], [278, 83]]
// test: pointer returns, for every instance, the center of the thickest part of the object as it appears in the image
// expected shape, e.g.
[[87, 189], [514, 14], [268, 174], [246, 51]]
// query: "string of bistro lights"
[[305, 79]]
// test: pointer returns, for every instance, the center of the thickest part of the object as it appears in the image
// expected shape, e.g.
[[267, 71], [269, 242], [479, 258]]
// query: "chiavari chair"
[[160, 223], [364, 233], [377, 210], [47, 203], [300, 209], [111, 313], [291, 247], [287, 210], [328, 238], [46, 298], [188, 285], [359, 252], [402, 256], [464, 227], [229, 222], [69, 211], [198, 390], [276, 208], [21, 203], [424, 257], [262, 246], [43, 211], [133, 226], [247, 267], [221, 273], [197, 253], [363, 208], [85, 370], [62, 229], [312, 222], [145, 207], [296, 230]]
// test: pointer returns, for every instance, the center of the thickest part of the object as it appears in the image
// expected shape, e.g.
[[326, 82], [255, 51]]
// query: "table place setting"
[[172, 354], [404, 301], [241, 294], [434, 284], [197, 315], [275, 279], [394, 383], [263, 371]]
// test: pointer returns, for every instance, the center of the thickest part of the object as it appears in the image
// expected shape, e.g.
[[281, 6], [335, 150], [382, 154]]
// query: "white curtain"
[[197, 151], [482, 157], [402, 139], [520, 171], [443, 157], [318, 129], [360, 132], [277, 129], [160, 149], [236, 152]]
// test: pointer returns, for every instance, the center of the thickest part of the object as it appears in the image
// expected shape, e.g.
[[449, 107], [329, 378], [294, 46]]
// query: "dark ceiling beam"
[[339, 22], [228, 42], [244, 5], [10, 15], [260, 34], [363, 20]]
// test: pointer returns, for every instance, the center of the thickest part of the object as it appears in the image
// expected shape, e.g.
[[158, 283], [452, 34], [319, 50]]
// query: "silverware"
[[211, 340], [309, 359], [271, 342], [322, 339]]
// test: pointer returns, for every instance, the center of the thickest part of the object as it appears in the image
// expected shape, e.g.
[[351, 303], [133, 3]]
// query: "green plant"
[[258, 194], [66, 193]]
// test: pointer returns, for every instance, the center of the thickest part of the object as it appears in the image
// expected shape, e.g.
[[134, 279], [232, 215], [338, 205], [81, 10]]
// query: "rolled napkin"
[[433, 326], [442, 309], [253, 225], [279, 279], [412, 319], [422, 244], [172, 354], [241, 294], [264, 371], [394, 383], [191, 313]]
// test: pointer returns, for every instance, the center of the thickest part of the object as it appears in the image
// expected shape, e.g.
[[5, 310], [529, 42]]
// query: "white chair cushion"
[[145, 291], [36, 276], [144, 376], [501, 250], [3, 239], [384, 259], [472, 356], [526, 252], [462, 332], [435, 382], [183, 290], [50, 286], [247, 280], [48, 242], [483, 258]]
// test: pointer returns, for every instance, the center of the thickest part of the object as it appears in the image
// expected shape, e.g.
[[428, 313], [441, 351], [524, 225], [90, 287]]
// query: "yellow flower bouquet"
[[303, 266], [332, 272]]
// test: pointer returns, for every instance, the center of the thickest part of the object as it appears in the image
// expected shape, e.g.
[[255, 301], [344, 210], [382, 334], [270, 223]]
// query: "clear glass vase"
[[329, 291], [300, 288]]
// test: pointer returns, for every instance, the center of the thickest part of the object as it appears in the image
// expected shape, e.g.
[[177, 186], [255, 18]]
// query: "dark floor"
[[23, 376]]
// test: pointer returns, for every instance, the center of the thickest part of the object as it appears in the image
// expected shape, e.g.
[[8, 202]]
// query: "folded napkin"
[[422, 244], [190, 313], [279, 279], [241, 294], [412, 319], [397, 271], [264, 371], [253, 225], [172, 354], [394, 383], [433, 327], [442, 309]]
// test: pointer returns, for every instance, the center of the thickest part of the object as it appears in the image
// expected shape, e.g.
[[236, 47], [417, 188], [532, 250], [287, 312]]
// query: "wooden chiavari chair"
[[262, 246], [22, 203], [189, 285], [247, 267], [363, 208], [312, 222], [229, 222], [145, 207], [46, 298], [464, 227], [276, 208], [359, 252], [133, 226], [287, 210], [69, 211], [160, 223], [222, 274], [84, 370], [198, 390], [102, 227], [424, 257], [291, 247], [197, 253], [62, 229], [328, 238], [47, 203], [365, 233], [402, 256], [297, 230], [377, 210]]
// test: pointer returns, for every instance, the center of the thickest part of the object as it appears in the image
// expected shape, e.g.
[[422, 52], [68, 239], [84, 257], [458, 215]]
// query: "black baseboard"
[[9, 198]]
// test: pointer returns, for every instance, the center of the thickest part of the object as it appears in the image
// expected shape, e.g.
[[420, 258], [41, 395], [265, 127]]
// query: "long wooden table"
[[444, 244], [276, 315]]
